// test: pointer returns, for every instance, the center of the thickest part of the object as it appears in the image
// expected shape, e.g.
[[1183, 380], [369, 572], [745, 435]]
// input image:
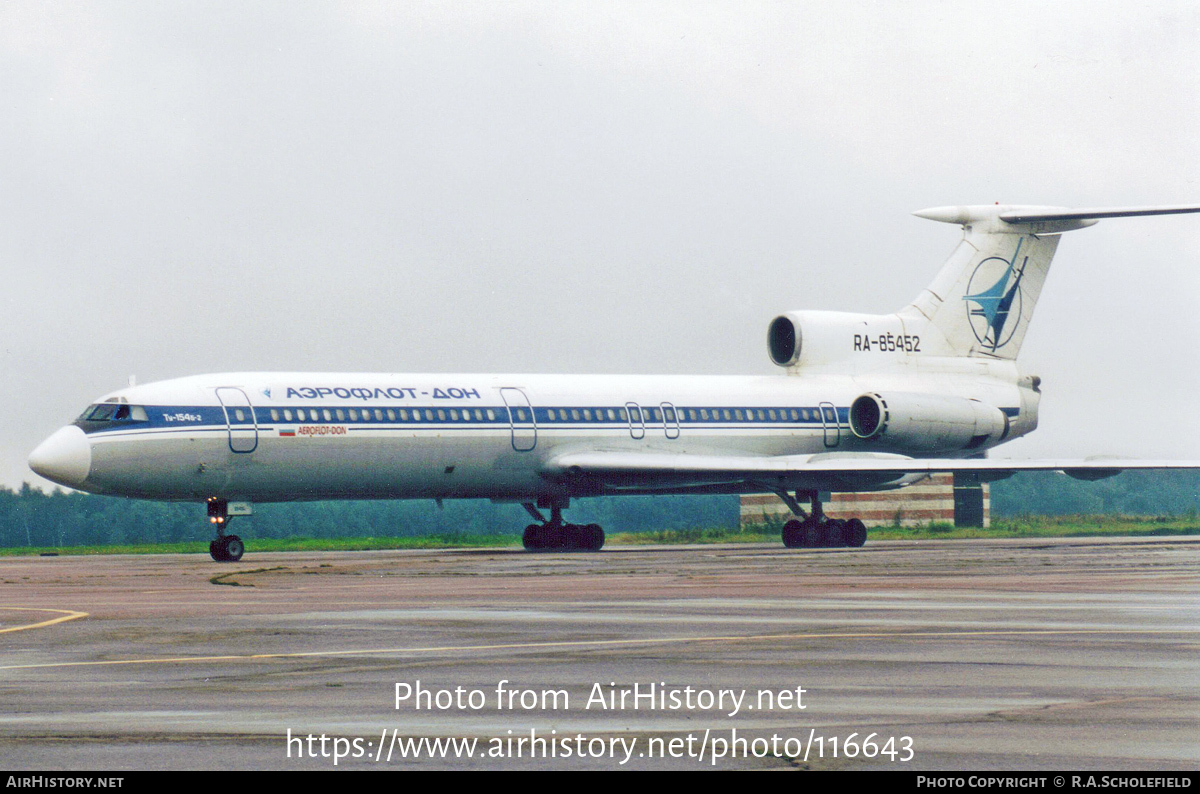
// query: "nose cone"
[[64, 458]]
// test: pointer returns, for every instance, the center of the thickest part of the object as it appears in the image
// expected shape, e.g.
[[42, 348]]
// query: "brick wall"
[[928, 502]]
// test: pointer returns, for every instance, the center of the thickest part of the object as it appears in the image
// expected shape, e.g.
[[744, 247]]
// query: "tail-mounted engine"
[[808, 338], [927, 422]]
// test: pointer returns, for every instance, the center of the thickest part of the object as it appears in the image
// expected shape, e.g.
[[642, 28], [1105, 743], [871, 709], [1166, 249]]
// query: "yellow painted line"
[[255, 657], [64, 616]]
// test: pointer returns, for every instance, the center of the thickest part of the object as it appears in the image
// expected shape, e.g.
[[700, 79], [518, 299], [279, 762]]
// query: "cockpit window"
[[102, 413], [112, 412]]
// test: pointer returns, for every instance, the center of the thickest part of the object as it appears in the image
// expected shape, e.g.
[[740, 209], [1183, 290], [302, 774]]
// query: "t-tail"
[[978, 306], [983, 298]]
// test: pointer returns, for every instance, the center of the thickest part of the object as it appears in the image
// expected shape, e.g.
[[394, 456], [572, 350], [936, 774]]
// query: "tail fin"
[[983, 298]]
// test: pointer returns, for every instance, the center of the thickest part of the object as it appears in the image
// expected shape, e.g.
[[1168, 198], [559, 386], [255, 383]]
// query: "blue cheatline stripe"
[[213, 417]]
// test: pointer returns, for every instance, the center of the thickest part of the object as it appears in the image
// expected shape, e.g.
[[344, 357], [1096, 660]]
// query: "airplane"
[[864, 403]]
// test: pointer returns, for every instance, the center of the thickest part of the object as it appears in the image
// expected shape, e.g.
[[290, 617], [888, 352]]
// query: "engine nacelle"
[[927, 422], [805, 338]]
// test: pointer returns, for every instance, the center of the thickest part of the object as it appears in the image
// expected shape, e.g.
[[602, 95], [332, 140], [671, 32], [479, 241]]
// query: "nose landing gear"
[[226, 548]]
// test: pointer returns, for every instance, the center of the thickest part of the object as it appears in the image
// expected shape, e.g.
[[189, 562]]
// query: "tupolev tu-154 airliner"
[[864, 403]]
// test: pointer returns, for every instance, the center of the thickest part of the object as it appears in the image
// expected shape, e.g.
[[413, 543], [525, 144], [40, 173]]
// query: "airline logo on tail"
[[990, 310]]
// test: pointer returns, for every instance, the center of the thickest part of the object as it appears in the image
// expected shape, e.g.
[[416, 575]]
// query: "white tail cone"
[[64, 458]]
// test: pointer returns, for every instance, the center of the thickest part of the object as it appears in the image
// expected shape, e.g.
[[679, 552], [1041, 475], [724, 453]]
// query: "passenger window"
[[391, 415], [237, 412], [491, 415], [612, 415], [478, 415], [328, 415], [794, 416], [738, 414], [454, 414], [621, 412], [575, 414], [726, 414], [670, 412], [274, 415], [771, 414], [378, 415], [587, 414], [404, 415], [550, 414], [704, 413], [353, 414], [441, 415]]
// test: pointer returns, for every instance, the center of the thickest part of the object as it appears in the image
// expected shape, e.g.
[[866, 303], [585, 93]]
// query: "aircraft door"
[[829, 419], [239, 419], [670, 420], [520, 419], [637, 425]]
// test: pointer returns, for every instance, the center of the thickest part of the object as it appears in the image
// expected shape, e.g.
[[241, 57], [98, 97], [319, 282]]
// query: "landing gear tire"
[[228, 548], [813, 534], [532, 538], [234, 548], [793, 534], [593, 537], [835, 533], [855, 533], [569, 537], [572, 536]]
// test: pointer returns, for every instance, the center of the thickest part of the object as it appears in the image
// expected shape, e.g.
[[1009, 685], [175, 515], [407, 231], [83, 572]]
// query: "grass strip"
[[1022, 527]]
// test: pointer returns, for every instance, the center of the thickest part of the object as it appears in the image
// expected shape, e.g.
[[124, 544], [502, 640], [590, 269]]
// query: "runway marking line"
[[600, 644], [64, 616]]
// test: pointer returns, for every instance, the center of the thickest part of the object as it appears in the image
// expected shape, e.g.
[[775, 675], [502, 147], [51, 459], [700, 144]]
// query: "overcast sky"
[[582, 187]]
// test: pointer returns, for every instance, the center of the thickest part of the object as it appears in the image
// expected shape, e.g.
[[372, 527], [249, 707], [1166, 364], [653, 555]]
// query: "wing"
[[636, 472]]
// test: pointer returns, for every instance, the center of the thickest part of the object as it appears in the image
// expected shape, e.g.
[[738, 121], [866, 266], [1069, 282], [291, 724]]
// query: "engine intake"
[[784, 341]]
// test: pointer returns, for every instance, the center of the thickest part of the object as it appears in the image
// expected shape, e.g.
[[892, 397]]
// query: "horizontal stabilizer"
[[1094, 213]]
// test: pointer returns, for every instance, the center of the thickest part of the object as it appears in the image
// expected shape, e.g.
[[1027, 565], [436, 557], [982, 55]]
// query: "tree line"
[[31, 517]]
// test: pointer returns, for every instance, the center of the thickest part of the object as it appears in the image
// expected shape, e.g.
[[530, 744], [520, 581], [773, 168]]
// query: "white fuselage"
[[268, 437]]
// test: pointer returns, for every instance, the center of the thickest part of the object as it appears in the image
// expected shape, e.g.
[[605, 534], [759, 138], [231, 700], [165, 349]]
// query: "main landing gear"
[[226, 548], [815, 530], [552, 533]]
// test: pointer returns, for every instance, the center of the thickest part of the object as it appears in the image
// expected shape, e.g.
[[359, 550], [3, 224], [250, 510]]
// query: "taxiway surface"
[[991, 654]]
